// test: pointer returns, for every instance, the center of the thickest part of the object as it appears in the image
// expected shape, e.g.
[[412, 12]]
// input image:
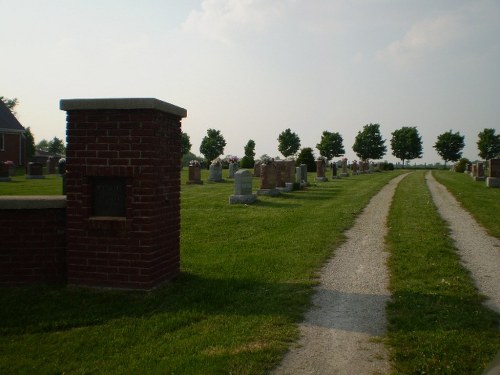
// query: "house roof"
[[8, 122]]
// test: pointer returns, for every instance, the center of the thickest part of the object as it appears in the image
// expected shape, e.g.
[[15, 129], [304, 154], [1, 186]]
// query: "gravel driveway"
[[337, 336], [479, 252]]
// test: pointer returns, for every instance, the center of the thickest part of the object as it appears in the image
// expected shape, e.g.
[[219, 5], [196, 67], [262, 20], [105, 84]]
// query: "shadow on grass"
[[59, 308]]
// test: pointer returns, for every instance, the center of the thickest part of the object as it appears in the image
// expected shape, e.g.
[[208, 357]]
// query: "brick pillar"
[[123, 191]]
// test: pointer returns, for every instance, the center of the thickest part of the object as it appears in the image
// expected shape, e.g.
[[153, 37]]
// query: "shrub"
[[461, 165]]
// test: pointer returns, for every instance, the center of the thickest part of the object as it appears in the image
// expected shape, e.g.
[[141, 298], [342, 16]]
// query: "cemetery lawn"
[[19, 185], [481, 201], [437, 323], [247, 276]]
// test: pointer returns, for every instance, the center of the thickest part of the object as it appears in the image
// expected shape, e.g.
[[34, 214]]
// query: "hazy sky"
[[252, 68]]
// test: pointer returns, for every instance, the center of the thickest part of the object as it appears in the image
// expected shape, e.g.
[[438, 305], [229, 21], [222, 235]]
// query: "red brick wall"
[[142, 146], [33, 246], [12, 149]]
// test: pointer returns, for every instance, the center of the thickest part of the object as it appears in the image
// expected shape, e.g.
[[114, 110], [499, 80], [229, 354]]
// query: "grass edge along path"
[[247, 275], [437, 323], [482, 202]]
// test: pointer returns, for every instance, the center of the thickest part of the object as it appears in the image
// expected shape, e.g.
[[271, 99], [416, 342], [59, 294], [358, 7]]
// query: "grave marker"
[[242, 188]]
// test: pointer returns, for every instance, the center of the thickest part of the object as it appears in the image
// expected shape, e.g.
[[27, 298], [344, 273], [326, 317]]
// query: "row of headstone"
[[476, 171]]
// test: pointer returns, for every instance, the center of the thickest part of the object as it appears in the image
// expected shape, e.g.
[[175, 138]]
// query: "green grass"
[[481, 201], [437, 323], [247, 274], [19, 185]]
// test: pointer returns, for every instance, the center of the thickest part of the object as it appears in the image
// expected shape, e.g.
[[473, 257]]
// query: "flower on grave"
[[233, 159], [216, 162], [9, 163], [194, 163]]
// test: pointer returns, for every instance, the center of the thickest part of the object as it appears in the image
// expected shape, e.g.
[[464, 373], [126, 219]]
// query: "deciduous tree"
[[212, 145], [10, 103], [369, 144], [289, 143], [331, 145], [185, 144], [30, 143], [56, 146], [406, 144], [449, 146], [488, 144]]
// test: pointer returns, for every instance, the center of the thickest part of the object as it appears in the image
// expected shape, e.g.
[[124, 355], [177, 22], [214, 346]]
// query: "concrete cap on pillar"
[[121, 103]]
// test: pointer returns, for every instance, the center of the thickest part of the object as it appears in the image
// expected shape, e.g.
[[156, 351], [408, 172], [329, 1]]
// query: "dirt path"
[[337, 336], [479, 252]]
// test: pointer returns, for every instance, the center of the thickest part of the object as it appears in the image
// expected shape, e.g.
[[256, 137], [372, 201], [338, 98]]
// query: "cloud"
[[224, 20], [424, 39]]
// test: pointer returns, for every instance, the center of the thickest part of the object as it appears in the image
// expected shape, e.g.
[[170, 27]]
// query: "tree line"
[[406, 144]]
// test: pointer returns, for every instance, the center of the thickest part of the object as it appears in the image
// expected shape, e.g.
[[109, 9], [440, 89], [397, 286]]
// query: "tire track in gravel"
[[339, 333], [479, 252]]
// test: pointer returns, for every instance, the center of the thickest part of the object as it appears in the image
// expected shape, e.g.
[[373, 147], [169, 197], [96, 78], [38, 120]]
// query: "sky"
[[253, 68]]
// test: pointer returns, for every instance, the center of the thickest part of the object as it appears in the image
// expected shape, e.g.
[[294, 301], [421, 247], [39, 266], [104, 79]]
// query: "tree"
[[289, 143], [331, 145], [248, 160], [43, 145], [10, 104], [185, 144], [30, 143], [306, 156], [406, 144], [369, 144], [56, 147], [488, 144], [212, 145], [449, 146]]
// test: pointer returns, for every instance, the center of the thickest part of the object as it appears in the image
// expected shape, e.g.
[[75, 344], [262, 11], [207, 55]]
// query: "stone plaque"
[[108, 196]]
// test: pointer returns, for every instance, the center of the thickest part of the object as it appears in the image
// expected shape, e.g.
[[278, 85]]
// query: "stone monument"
[[242, 188]]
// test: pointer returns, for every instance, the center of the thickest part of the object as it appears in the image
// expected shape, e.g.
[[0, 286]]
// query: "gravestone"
[[233, 168], [35, 171], [123, 192], [479, 172], [303, 173], [256, 169], [268, 180], [194, 174], [355, 167], [51, 165], [320, 171], [215, 172], [473, 172], [344, 168], [242, 188], [4, 172], [493, 180], [290, 171], [334, 170], [280, 173]]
